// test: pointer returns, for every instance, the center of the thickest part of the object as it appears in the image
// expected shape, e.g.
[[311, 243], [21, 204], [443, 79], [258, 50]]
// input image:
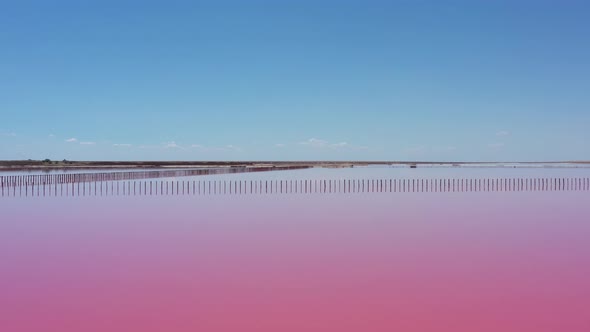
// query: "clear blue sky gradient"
[[292, 80]]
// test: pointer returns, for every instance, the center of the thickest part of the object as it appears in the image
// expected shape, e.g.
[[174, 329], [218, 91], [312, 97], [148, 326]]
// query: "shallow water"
[[327, 260]]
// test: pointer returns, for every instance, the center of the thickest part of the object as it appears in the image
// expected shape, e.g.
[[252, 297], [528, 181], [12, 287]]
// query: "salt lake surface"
[[361, 249]]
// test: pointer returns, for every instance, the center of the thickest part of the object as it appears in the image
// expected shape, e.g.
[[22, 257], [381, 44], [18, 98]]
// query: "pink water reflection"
[[341, 262]]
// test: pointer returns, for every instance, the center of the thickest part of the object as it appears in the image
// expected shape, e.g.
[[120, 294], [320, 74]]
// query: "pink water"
[[491, 261]]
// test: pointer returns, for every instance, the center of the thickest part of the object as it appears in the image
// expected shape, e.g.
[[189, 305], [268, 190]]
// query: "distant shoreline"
[[24, 165]]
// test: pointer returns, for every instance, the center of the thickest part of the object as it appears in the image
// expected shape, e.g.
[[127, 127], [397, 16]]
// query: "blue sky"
[[292, 80]]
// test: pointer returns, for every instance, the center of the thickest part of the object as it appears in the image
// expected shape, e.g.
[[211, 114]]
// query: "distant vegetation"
[[32, 163], [48, 163]]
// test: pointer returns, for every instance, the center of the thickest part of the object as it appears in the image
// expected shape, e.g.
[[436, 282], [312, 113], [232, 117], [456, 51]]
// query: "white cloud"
[[87, 143], [503, 133], [166, 145], [171, 145], [8, 134], [316, 143], [122, 145], [72, 140], [279, 145], [322, 144], [51, 136], [340, 145]]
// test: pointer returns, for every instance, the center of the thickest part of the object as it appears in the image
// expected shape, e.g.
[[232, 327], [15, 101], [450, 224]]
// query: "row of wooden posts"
[[297, 186], [49, 179]]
